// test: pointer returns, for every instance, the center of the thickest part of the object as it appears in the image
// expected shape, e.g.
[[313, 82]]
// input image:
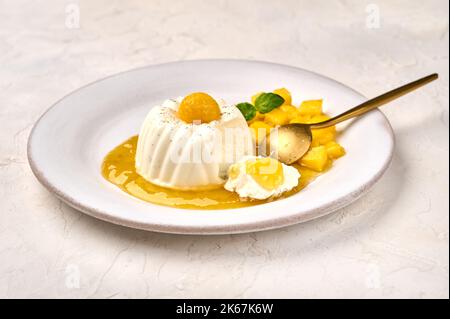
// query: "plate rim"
[[253, 226]]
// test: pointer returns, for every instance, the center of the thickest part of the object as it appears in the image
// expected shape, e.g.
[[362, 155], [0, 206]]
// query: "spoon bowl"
[[292, 142]]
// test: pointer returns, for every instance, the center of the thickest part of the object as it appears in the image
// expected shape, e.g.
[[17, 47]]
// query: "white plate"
[[68, 143]]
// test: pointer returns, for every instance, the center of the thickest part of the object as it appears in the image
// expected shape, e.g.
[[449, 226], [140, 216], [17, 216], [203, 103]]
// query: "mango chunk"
[[319, 118], [316, 159], [258, 117], [290, 110], [267, 172], [303, 119], [259, 130], [285, 94], [323, 136], [334, 150], [276, 117], [311, 107]]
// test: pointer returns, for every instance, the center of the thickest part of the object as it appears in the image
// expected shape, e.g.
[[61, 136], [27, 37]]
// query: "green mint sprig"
[[247, 110], [266, 102]]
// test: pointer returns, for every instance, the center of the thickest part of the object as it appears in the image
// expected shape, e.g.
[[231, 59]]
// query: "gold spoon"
[[294, 140]]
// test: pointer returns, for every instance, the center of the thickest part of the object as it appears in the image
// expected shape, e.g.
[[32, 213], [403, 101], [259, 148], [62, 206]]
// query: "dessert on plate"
[[201, 153], [181, 146]]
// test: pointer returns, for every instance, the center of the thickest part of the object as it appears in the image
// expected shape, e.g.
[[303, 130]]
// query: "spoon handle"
[[376, 102]]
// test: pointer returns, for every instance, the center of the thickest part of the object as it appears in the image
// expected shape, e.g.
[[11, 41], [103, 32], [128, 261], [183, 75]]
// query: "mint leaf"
[[247, 109], [266, 102]]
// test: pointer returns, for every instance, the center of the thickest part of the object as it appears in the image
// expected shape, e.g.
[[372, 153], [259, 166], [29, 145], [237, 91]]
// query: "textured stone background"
[[392, 243]]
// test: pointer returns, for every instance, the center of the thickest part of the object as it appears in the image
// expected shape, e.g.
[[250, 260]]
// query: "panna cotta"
[[189, 143]]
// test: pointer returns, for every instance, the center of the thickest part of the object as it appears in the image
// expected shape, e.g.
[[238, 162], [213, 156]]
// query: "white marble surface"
[[392, 243]]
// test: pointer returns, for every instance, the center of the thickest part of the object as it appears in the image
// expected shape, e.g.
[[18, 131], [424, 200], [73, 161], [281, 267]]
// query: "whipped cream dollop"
[[247, 185]]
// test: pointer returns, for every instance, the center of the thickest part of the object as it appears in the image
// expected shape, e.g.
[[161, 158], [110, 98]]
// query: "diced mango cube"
[[259, 130], [276, 117], [258, 117], [290, 110], [315, 144], [316, 159], [311, 107], [323, 136], [319, 118], [303, 119], [285, 94], [334, 150], [254, 97]]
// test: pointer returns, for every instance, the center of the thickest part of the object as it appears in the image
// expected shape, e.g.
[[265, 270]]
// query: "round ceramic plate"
[[68, 143]]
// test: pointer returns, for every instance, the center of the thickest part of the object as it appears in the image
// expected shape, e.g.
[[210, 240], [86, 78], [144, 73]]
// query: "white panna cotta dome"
[[190, 156]]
